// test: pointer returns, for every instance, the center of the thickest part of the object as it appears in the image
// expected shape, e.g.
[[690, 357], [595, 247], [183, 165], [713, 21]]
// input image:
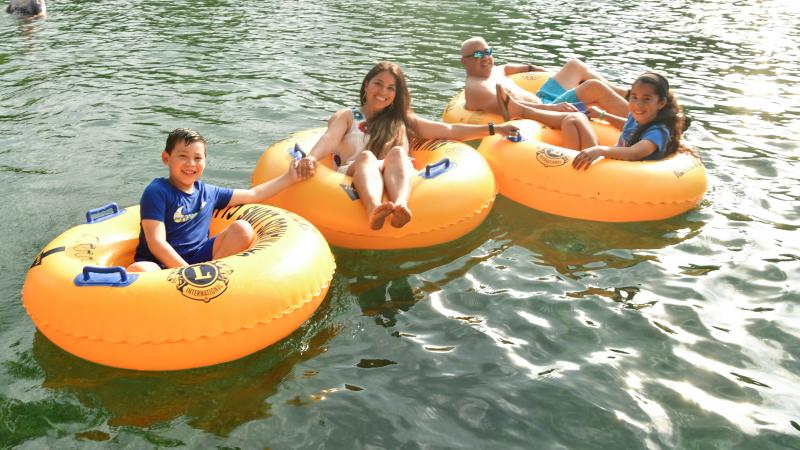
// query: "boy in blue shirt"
[[176, 211]]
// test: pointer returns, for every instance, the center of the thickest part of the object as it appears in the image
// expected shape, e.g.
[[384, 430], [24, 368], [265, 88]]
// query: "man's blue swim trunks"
[[552, 92]]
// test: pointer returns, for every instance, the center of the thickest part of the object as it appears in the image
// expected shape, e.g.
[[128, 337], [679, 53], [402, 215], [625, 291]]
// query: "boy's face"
[[186, 164]]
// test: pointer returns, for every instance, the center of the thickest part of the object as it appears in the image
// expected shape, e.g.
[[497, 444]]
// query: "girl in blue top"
[[652, 129]]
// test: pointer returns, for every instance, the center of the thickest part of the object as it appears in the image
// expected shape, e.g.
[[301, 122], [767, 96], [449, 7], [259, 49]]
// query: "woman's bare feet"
[[401, 215], [379, 214]]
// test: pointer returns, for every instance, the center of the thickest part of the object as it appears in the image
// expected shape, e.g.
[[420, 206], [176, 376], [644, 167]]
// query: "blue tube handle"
[[432, 170], [111, 206], [89, 270], [516, 137], [105, 276], [297, 152]]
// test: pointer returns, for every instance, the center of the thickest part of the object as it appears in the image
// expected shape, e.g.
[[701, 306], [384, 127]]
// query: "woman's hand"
[[586, 157], [306, 167], [506, 129]]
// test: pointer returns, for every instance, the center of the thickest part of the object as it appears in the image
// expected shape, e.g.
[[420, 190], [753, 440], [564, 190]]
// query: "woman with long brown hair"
[[370, 144]]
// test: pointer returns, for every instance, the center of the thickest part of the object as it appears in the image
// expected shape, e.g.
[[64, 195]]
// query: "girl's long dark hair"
[[671, 115], [387, 128]]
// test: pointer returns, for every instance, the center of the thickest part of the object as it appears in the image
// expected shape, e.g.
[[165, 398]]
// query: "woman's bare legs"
[[397, 172], [367, 179]]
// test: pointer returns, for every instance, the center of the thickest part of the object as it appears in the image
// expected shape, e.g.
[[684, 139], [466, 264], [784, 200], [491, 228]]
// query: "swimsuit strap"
[[357, 114]]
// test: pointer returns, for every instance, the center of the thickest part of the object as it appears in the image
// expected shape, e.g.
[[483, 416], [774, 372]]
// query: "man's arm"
[[156, 235], [511, 69]]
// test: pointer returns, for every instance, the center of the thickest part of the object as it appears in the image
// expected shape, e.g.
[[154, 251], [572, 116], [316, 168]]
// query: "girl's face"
[[644, 102], [381, 90]]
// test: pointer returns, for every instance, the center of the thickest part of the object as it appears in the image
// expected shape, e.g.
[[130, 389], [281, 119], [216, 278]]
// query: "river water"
[[533, 331]]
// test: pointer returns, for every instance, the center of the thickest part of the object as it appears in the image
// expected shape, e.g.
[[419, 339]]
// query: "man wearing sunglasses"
[[572, 88]]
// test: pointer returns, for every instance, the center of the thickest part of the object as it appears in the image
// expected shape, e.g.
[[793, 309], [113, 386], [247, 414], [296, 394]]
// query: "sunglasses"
[[480, 54]]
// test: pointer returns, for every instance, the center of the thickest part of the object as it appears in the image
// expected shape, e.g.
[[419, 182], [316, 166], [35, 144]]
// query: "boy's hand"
[[293, 173]]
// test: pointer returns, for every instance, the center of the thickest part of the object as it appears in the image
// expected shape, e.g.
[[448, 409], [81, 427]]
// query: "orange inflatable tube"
[[172, 319], [451, 194], [539, 174]]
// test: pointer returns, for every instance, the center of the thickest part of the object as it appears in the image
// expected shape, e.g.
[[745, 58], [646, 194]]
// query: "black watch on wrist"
[[491, 129]]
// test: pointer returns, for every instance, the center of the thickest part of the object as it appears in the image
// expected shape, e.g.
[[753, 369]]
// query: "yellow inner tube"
[[172, 319], [451, 201], [538, 172], [540, 175]]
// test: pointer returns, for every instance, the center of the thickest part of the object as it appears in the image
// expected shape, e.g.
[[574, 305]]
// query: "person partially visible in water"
[[27, 8], [652, 129]]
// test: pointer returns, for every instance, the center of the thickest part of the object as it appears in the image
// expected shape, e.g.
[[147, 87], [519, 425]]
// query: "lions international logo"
[[202, 282], [551, 157]]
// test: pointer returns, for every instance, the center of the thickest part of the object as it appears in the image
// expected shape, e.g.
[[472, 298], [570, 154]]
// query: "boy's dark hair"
[[185, 135]]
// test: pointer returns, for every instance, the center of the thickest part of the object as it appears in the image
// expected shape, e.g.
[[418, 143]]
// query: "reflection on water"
[[680, 333], [573, 246], [215, 399]]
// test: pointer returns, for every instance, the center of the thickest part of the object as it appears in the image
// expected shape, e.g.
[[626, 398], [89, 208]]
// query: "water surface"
[[533, 331]]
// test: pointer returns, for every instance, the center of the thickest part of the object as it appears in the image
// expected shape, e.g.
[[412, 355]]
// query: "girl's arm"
[[616, 121], [338, 125], [635, 152], [156, 235], [428, 129]]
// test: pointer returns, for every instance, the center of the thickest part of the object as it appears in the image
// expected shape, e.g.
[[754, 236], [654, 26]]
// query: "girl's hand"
[[586, 157], [306, 167], [507, 129]]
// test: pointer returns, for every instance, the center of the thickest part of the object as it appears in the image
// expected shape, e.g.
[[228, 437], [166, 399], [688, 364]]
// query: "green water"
[[533, 331]]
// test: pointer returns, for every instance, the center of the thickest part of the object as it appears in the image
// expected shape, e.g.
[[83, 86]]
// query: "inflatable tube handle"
[[436, 169], [105, 276], [296, 152], [115, 211], [516, 138]]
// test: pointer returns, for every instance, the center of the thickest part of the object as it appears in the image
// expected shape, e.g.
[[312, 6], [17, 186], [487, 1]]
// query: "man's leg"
[[595, 92], [576, 71]]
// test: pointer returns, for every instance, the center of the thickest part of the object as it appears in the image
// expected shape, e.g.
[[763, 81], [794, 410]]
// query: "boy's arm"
[[265, 190], [156, 235]]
